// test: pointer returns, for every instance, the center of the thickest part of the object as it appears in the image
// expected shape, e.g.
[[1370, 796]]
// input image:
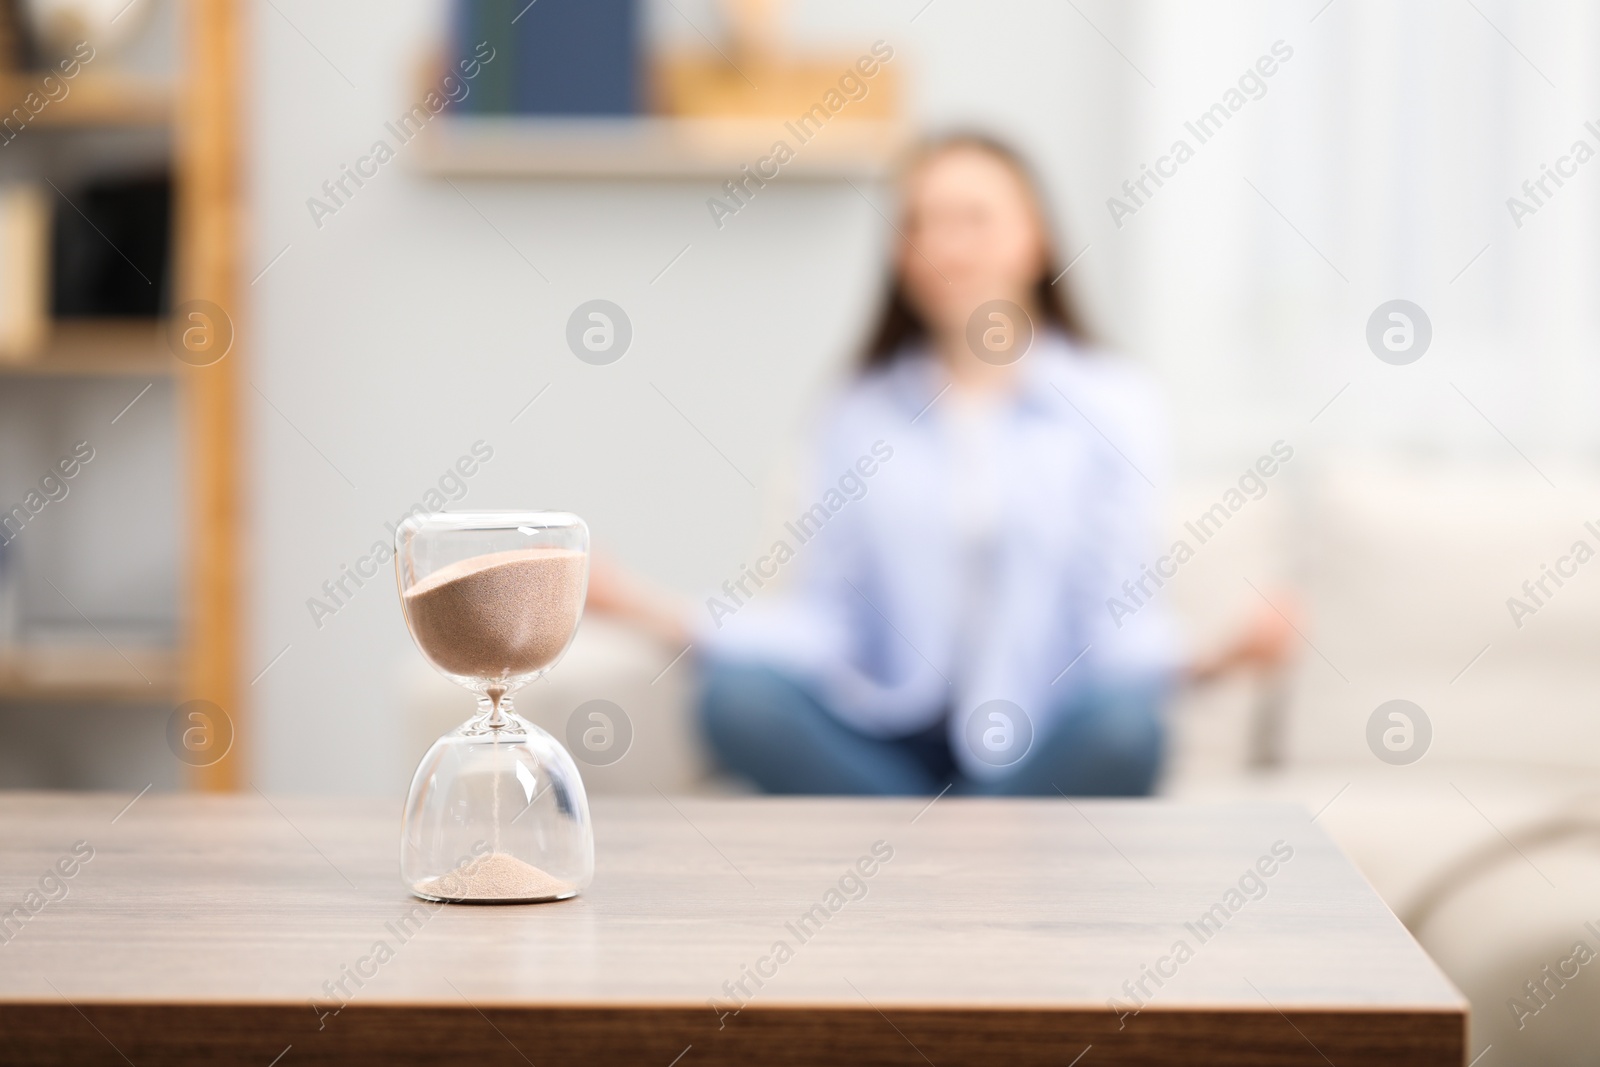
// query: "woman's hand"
[[1265, 644], [613, 591], [1268, 639]]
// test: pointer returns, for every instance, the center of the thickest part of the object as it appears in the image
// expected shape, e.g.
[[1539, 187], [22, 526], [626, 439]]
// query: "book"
[[551, 57], [578, 57], [24, 270], [487, 22]]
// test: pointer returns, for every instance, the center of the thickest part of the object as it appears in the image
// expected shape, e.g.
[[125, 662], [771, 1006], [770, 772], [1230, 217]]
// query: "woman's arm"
[[1264, 643], [613, 591]]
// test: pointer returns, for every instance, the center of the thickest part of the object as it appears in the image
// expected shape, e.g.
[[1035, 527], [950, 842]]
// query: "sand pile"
[[498, 876]]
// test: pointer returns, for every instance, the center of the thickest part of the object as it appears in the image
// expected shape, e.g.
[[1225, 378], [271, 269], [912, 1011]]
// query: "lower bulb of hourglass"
[[497, 815]]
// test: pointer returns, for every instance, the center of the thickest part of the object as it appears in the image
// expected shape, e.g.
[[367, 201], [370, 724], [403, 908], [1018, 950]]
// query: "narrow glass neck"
[[493, 713]]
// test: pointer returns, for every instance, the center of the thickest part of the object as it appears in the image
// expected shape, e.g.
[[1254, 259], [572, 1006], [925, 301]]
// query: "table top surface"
[[976, 903]]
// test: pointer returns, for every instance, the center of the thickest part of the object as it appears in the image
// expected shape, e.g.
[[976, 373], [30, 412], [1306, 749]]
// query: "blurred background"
[[266, 276]]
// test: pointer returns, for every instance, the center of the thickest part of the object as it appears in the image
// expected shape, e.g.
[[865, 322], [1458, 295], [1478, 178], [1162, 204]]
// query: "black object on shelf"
[[111, 248], [18, 50]]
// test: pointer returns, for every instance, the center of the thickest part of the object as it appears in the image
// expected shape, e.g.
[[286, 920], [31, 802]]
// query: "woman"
[[979, 497]]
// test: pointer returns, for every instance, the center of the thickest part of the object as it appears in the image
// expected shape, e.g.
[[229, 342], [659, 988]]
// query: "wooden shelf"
[[99, 347], [75, 673], [650, 147], [92, 100]]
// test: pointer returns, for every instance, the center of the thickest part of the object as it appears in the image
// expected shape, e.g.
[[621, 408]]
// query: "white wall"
[[1387, 147], [405, 329]]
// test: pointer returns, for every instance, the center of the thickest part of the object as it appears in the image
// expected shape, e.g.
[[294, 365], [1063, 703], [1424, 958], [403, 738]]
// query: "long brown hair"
[[899, 323]]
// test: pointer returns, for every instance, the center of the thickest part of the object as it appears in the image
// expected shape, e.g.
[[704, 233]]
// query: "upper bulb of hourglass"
[[495, 621]]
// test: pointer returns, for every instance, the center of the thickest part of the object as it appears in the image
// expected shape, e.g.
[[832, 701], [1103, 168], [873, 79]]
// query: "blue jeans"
[[769, 728]]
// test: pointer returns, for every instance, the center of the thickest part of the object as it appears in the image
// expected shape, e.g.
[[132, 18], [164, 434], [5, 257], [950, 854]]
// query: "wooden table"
[[203, 930]]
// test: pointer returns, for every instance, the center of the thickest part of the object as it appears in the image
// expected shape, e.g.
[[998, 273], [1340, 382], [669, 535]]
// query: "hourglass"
[[497, 812]]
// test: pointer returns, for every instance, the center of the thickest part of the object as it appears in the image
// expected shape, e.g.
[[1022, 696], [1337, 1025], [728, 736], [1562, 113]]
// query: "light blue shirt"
[[942, 558]]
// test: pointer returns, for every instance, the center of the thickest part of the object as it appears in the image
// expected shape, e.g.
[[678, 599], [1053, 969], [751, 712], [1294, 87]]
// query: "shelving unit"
[[200, 109]]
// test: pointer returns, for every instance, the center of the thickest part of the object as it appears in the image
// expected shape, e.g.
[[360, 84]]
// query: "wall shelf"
[[98, 347], [651, 147], [81, 674], [92, 100]]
